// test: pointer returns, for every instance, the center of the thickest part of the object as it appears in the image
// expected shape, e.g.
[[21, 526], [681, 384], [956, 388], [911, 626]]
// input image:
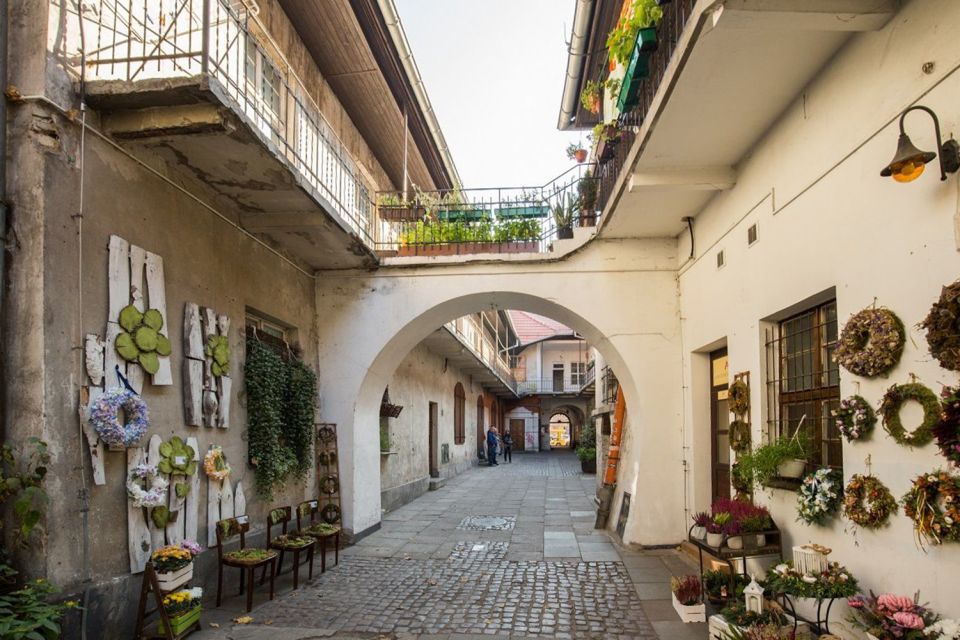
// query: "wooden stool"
[[247, 560]]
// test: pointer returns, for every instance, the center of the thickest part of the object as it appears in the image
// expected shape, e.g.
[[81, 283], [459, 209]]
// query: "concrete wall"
[[421, 378], [828, 221]]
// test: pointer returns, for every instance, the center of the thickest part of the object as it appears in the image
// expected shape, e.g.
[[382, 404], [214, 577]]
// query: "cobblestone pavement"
[[502, 552]]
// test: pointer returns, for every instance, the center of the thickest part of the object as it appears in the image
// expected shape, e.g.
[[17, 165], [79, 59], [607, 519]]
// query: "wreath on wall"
[[739, 398], [330, 485], [943, 327], [820, 495], [105, 417], [871, 343], [933, 503], [740, 436], [947, 431], [867, 502], [854, 418], [146, 487], [215, 464], [330, 513], [893, 401]]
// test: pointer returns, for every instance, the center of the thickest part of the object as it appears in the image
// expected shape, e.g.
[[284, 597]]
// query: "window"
[[578, 373], [459, 403], [270, 333], [803, 382]]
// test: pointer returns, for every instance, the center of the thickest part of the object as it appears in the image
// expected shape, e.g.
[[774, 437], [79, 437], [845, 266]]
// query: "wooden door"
[[481, 428], [516, 432], [434, 441], [558, 378], [719, 425]]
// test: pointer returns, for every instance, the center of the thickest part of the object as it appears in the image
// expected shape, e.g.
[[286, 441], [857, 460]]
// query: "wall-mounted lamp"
[[908, 163]]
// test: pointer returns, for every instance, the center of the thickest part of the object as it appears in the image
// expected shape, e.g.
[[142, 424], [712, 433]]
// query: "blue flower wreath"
[[105, 417]]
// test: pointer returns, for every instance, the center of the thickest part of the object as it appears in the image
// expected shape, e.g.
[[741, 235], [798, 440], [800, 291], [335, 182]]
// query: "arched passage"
[[371, 321]]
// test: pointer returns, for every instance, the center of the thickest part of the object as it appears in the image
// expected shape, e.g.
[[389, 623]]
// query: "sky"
[[494, 72]]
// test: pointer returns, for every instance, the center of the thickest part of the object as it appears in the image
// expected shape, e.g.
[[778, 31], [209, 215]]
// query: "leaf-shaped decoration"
[[146, 339], [177, 443], [221, 353], [182, 489], [163, 345], [130, 318], [153, 319], [165, 450], [150, 362], [160, 516], [216, 370], [126, 348], [192, 468], [164, 466]]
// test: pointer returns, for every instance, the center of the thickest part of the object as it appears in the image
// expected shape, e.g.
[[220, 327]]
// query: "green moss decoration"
[[281, 399], [182, 489], [740, 436], [890, 411], [739, 398], [160, 516], [141, 341], [218, 350], [176, 458]]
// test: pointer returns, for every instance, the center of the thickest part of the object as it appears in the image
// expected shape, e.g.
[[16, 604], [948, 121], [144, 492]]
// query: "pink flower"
[[892, 603], [855, 603], [908, 620]]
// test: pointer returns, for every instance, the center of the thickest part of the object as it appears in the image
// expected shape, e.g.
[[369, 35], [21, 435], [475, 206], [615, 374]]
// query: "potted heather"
[[687, 598], [174, 564], [183, 609], [699, 528], [716, 528]]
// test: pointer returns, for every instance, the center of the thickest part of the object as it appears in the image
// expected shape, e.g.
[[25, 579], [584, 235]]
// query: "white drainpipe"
[[575, 61]]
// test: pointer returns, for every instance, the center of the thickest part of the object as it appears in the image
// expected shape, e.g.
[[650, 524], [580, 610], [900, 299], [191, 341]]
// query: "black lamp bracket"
[[948, 152]]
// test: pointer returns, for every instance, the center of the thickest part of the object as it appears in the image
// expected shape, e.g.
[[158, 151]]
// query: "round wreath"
[[330, 513], [146, 486], [871, 343], [326, 434], [893, 401], [933, 503], [739, 436], [819, 496], [867, 502], [943, 327], [105, 417], [854, 418], [330, 485], [947, 431], [215, 464], [739, 398]]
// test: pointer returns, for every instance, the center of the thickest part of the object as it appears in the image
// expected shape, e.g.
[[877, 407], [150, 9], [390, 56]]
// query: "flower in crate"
[[192, 546], [170, 558], [182, 601]]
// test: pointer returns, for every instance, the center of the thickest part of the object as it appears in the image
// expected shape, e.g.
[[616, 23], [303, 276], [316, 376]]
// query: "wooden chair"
[[307, 525], [292, 542], [228, 529]]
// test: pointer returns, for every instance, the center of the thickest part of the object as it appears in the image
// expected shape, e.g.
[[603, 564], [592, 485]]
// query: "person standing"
[[507, 447], [492, 446]]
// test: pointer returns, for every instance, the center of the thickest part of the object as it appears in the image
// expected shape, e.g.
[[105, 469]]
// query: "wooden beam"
[[692, 179], [806, 15]]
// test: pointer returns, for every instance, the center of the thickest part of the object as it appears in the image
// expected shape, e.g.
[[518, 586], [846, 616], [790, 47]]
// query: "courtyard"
[[504, 552]]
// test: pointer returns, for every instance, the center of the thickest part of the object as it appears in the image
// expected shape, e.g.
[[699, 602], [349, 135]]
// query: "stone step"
[[436, 483]]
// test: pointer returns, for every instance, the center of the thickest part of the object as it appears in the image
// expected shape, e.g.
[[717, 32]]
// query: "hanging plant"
[[947, 431], [854, 418], [146, 487], [890, 411], [739, 398], [623, 38], [943, 327], [867, 502], [819, 496], [740, 436], [933, 503], [590, 96], [871, 343], [215, 464], [105, 417], [218, 350], [281, 400], [141, 340]]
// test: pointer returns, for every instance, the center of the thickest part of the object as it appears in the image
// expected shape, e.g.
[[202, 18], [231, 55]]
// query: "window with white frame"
[[578, 373]]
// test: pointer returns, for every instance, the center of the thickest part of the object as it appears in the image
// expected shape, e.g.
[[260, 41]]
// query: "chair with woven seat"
[[292, 542], [307, 525], [245, 559]]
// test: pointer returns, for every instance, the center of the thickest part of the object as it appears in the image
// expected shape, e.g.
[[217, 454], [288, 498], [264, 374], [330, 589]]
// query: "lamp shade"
[[908, 162]]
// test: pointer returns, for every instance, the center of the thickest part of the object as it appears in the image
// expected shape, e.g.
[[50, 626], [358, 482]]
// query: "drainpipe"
[[3, 168], [576, 58]]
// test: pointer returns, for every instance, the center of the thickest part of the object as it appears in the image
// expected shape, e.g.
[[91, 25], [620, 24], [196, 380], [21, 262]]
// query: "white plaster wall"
[[421, 379], [827, 220], [531, 428], [563, 352]]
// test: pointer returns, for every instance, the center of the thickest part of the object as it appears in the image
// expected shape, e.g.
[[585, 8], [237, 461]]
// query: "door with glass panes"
[[719, 425]]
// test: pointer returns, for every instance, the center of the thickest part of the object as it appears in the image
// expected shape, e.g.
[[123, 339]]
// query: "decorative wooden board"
[[139, 539], [157, 535], [192, 505], [222, 502], [206, 397], [88, 395]]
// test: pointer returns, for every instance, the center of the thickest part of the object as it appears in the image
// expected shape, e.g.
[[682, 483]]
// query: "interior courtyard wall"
[[829, 223]]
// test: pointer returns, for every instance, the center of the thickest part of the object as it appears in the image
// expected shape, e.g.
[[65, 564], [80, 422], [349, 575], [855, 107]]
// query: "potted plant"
[[687, 601], [808, 589], [717, 586], [587, 194], [700, 522], [576, 152], [715, 528], [393, 207], [891, 617], [183, 609], [775, 459], [756, 524], [174, 564], [590, 97], [587, 449], [605, 136], [563, 218]]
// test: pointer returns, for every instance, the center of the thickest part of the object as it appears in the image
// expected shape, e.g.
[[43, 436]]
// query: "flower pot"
[[761, 540], [581, 154], [182, 622], [588, 466], [698, 533], [401, 214], [564, 233], [690, 613], [792, 468], [735, 542], [174, 579], [714, 539]]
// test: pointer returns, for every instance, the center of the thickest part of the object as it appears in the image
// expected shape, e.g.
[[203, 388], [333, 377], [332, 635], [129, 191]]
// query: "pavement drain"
[[484, 550], [488, 523]]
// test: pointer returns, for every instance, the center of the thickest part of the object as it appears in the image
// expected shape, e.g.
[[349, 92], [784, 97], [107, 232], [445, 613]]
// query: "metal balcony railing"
[[610, 386], [490, 220], [134, 40], [549, 385], [470, 333]]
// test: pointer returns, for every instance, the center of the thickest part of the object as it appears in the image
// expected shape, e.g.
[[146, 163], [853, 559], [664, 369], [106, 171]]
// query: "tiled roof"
[[530, 327]]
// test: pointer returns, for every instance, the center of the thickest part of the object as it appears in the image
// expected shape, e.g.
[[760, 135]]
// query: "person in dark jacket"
[[507, 447], [492, 446]]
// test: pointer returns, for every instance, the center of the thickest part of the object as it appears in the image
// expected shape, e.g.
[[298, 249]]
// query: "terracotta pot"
[[580, 155]]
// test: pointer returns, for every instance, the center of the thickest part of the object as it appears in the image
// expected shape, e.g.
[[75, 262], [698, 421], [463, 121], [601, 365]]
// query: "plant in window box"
[[395, 208], [621, 41], [183, 609], [687, 593], [174, 564]]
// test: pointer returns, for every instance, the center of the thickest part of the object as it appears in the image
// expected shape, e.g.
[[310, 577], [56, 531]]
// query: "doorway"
[[719, 425], [558, 377], [517, 433], [434, 440], [481, 431], [559, 431]]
